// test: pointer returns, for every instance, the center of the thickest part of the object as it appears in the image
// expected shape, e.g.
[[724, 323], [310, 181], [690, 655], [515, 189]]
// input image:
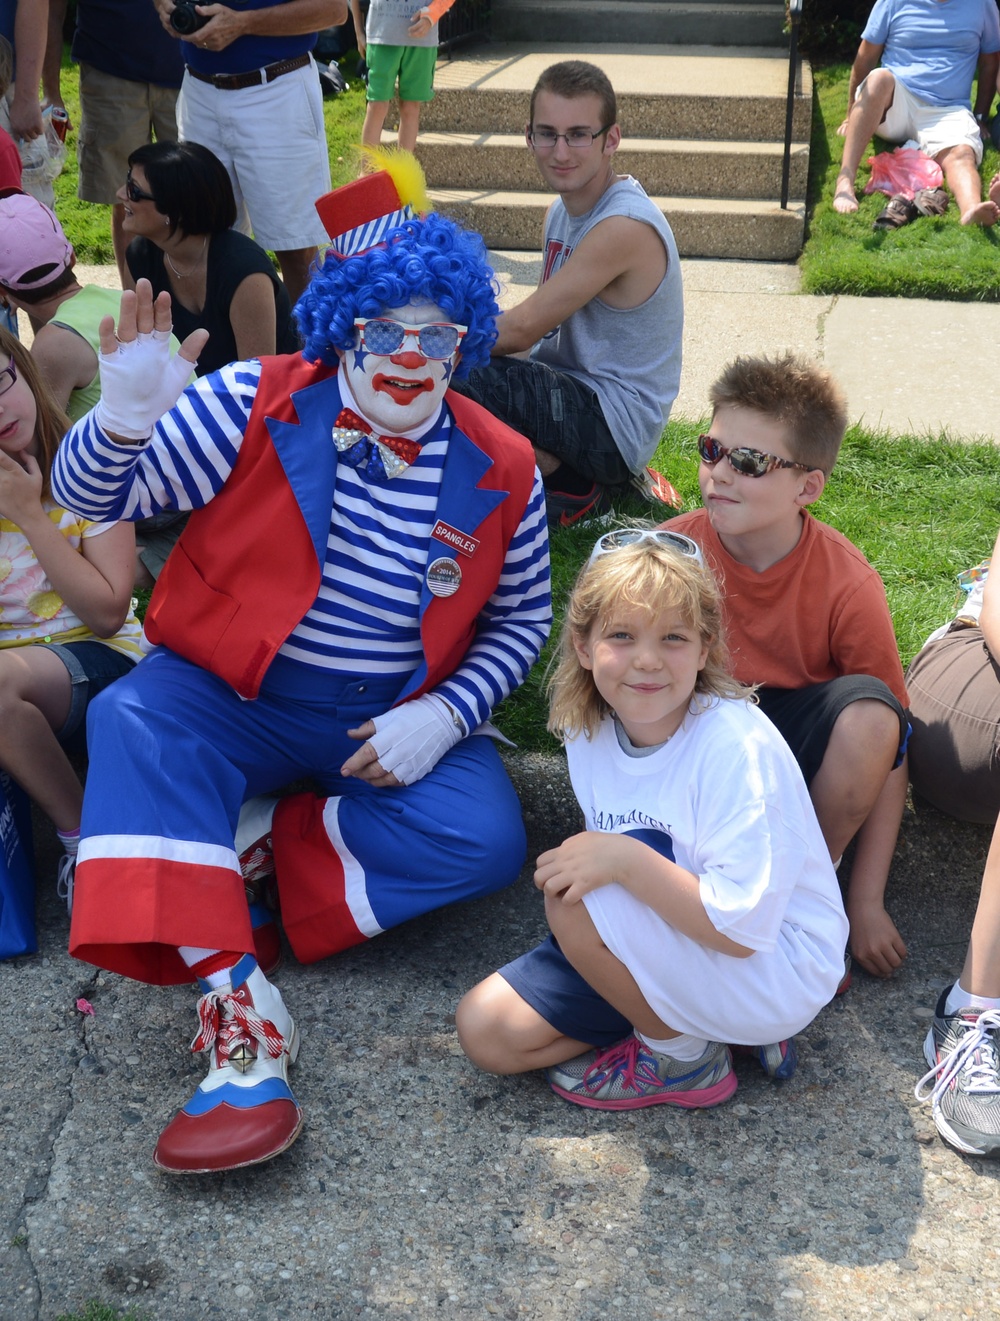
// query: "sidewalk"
[[909, 366], [422, 1189]]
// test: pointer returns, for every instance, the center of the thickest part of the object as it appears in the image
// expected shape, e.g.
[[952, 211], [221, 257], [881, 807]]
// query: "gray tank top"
[[629, 356]]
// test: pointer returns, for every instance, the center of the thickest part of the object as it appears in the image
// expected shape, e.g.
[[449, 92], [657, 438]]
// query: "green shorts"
[[413, 65]]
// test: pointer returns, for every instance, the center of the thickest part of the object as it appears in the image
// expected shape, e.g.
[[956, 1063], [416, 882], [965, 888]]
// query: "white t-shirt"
[[724, 799]]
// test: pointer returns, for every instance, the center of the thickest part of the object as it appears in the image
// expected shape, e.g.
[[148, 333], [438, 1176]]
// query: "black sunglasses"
[[134, 193], [751, 463]]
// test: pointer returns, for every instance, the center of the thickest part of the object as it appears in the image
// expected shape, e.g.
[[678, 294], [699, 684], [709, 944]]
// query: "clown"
[[364, 575]]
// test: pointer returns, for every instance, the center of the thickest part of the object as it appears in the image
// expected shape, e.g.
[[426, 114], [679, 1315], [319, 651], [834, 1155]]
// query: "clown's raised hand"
[[140, 380]]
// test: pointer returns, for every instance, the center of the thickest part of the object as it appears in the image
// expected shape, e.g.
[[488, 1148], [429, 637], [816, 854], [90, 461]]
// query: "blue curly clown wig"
[[430, 260]]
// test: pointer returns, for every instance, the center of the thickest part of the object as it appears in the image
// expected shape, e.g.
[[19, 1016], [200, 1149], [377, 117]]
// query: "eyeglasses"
[[748, 462], [543, 139], [134, 193], [635, 536], [7, 377], [385, 336]]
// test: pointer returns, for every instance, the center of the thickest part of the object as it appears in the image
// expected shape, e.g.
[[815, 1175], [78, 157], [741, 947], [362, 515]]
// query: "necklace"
[[182, 275]]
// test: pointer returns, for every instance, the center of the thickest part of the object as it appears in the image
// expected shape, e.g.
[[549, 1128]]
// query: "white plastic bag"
[[42, 159]]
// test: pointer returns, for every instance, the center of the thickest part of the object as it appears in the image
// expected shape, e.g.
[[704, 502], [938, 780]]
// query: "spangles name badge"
[[462, 542], [444, 577]]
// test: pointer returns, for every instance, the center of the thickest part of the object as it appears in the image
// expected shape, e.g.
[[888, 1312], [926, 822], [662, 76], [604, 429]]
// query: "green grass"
[[935, 257], [95, 1311], [88, 226], [920, 509]]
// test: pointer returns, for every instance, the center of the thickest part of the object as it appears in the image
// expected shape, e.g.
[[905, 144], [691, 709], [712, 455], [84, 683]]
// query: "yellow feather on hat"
[[404, 170]]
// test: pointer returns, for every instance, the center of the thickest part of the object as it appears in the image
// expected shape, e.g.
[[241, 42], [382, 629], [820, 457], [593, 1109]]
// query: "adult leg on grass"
[[962, 174], [35, 694], [865, 116], [501, 1033], [409, 124], [295, 264], [371, 129]]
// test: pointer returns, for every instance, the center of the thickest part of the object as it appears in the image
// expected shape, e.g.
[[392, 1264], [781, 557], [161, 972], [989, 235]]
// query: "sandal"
[[931, 201], [898, 213]]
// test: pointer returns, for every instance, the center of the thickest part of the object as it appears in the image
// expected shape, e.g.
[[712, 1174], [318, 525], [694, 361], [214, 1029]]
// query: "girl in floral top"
[[67, 628]]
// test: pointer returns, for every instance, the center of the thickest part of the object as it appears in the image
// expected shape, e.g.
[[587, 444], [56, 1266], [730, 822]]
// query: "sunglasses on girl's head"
[[385, 336], [751, 463], [134, 193], [635, 536]]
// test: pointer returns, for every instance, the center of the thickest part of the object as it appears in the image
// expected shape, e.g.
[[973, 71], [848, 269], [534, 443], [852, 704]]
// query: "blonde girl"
[[699, 906], [66, 625]]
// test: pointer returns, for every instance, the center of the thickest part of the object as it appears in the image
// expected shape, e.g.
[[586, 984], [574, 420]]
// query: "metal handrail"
[[794, 19], [466, 21]]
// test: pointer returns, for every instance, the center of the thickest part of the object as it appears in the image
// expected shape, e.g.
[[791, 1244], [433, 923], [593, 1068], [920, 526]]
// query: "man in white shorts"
[[251, 94], [912, 79]]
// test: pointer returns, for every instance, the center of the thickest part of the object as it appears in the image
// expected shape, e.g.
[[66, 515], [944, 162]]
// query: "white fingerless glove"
[[412, 738], [140, 382]]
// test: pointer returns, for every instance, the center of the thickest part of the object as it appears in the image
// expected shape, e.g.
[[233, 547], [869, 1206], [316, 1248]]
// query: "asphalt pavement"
[[422, 1188]]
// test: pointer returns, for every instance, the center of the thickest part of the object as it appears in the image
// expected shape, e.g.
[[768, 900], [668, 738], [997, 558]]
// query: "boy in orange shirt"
[[807, 618]]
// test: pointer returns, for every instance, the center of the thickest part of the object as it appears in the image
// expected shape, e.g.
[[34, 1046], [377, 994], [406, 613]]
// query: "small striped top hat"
[[359, 215]]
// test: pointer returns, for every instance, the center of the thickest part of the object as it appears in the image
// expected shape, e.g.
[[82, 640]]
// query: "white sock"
[[70, 841], [682, 1047], [958, 998], [193, 955]]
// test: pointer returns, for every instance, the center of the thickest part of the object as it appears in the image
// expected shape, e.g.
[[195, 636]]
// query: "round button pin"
[[444, 577]]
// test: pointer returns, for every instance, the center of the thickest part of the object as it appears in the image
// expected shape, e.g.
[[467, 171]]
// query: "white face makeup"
[[398, 393]]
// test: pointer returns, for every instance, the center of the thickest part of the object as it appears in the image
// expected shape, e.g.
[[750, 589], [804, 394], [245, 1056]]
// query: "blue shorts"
[[92, 666], [545, 979]]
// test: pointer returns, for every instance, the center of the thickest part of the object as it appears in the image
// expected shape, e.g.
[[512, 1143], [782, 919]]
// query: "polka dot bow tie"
[[377, 457]]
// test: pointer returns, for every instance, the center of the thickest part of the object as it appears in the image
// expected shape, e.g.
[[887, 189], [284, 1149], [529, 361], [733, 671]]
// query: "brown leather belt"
[[233, 82]]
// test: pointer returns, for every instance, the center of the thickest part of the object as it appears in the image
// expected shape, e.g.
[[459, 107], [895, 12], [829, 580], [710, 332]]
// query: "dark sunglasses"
[[748, 462], [134, 193]]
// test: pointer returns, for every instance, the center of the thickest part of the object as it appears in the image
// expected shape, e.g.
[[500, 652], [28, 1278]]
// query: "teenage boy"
[[807, 618], [604, 325]]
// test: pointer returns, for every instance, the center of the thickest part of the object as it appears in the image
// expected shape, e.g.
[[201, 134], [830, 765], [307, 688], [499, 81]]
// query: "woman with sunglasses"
[[179, 212]]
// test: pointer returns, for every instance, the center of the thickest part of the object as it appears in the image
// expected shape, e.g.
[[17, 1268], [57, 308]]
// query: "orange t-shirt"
[[817, 614]]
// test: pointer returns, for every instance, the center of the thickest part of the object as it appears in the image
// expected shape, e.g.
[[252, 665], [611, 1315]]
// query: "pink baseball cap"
[[33, 248]]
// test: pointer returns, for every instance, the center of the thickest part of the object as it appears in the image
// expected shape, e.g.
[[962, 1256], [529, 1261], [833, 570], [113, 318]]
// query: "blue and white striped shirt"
[[365, 619]]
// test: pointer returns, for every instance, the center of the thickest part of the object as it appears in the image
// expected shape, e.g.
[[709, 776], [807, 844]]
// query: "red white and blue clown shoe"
[[244, 1111]]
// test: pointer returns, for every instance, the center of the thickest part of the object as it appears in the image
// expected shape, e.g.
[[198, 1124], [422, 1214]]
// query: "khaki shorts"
[[954, 687], [117, 116], [935, 128]]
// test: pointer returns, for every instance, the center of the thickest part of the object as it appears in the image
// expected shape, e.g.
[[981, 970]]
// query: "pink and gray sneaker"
[[629, 1075]]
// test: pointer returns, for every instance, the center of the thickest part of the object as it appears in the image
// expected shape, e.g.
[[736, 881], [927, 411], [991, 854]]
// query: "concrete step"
[[667, 166], [703, 226], [663, 91], [693, 22]]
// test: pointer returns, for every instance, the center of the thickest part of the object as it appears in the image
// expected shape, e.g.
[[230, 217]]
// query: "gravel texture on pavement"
[[422, 1188]]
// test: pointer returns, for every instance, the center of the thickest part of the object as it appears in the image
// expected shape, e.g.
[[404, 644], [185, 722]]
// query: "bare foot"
[[994, 189], [984, 213], [844, 200]]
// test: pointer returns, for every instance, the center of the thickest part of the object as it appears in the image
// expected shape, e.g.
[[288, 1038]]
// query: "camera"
[[184, 18]]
